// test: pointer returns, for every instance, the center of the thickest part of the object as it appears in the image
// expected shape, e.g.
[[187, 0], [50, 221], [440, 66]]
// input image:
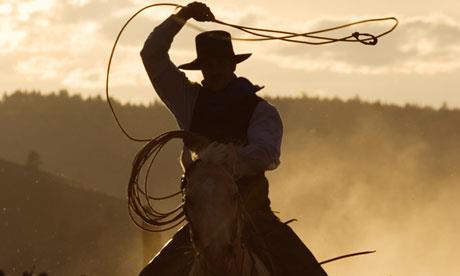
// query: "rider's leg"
[[174, 259], [285, 247]]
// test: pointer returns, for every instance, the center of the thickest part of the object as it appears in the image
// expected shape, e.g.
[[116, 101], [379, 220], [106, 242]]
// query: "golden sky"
[[54, 44]]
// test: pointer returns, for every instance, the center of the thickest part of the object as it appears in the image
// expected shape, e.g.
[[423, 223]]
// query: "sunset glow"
[[370, 147]]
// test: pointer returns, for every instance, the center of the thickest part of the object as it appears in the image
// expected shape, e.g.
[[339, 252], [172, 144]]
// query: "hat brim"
[[195, 65]]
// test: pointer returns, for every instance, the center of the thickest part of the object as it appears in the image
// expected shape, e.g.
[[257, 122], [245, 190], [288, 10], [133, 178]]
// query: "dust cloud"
[[374, 189]]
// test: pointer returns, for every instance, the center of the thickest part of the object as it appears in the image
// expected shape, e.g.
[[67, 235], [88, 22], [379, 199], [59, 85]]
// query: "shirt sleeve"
[[171, 85], [265, 134]]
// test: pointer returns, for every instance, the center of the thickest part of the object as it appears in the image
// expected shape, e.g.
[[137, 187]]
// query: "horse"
[[216, 218], [211, 205], [220, 228]]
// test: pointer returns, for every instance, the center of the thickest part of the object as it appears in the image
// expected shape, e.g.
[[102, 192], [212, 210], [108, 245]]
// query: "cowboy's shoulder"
[[266, 111], [265, 104]]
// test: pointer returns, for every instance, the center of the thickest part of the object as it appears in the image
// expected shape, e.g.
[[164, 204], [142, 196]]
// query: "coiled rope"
[[140, 209]]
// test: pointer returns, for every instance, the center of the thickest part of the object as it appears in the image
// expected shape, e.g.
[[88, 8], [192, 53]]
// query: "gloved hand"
[[197, 11], [220, 154], [227, 156], [216, 153]]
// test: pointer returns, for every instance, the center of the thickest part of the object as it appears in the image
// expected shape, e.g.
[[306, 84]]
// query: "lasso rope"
[[143, 208], [368, 39]]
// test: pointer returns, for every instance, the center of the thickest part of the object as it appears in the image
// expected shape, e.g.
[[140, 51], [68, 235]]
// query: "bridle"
[[236, 240]]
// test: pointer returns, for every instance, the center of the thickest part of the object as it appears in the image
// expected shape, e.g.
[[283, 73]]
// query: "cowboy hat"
[[213, 44]]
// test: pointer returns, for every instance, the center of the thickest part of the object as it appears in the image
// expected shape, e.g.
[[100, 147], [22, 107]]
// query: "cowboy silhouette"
[[226, 109]]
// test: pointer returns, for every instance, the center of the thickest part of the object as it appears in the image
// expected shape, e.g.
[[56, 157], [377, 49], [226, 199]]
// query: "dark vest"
[[224, 116]]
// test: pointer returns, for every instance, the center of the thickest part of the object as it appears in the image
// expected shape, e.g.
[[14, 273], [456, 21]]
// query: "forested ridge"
[[78, 138]]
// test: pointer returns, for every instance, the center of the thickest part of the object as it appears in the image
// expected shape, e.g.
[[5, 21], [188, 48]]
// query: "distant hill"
[[63, 229], [78, 139]]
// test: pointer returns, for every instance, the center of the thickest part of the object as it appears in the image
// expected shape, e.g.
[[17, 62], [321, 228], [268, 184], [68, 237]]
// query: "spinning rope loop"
[[368, 39]]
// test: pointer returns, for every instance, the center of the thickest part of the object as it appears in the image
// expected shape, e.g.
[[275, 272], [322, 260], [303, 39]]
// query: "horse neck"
[[246, 262], [241, 252]]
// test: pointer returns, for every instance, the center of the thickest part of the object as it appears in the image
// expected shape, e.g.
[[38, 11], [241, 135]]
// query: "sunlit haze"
[[369, 161]]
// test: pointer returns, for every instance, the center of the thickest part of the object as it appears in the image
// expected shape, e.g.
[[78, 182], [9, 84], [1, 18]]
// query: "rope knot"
[[370, 40]]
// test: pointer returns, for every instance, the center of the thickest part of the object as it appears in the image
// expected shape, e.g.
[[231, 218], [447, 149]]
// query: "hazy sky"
[[55, 44]]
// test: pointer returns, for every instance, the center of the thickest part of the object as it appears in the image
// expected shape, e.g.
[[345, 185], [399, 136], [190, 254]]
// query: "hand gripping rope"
[[140, 207]]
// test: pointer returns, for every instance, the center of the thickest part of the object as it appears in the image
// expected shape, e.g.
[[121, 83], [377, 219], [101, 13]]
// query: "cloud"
[[41, 67], [10, 39], [68, 42], [84, 78], [79, 3], [6, 8], [26, 9], [420, 45]]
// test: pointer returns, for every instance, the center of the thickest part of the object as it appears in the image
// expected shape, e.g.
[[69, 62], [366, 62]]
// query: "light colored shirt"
[[179, 94]]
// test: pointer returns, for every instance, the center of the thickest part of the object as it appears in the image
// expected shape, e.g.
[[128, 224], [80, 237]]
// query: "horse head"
[[212, 206]]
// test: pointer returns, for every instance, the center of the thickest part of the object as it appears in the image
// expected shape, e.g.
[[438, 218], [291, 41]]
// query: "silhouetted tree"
[[444, 107]]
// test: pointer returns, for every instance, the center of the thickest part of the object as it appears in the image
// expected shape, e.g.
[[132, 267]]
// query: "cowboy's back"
[[233, 114]]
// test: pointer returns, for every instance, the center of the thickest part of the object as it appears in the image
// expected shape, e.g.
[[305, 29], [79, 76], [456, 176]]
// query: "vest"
[[224, 116]]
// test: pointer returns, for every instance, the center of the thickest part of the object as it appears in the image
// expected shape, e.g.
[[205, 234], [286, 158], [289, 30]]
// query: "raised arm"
[[171, 85]]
